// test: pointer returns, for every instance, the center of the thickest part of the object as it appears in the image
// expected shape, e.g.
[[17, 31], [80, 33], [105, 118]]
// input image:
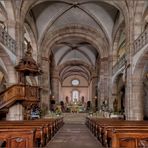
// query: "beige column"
[[44, 83], [16, 30], [104, 81], [133, 104], [15, 112], [94, 91], [55, 88]]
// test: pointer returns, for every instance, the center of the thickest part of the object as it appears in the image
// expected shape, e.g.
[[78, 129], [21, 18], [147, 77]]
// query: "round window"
[[75, 82]]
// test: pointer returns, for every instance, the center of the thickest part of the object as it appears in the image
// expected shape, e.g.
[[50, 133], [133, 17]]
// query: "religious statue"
[[29, 50], [82, 99], [145, 83], [115, 105], [67, 99]]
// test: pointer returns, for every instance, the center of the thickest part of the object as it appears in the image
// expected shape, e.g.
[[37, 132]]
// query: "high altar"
[[76, 106]]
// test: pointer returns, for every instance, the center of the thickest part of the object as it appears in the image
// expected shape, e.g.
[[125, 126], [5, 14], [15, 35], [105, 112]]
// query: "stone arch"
[[121, 93], [85, 33], [10, 11], [3, 70], [139, 6], [3, 17], [120, 5], [139, 78], [10, 5], [32, 40], [8, 63], [116, 41], [27, 5], [145, 18], [84, 67], [3, 11], [2, 81], [118, 90]]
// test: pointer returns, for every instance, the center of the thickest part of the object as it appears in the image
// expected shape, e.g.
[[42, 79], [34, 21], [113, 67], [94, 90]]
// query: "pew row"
[[103, 129], [17, 138], [44, 130]]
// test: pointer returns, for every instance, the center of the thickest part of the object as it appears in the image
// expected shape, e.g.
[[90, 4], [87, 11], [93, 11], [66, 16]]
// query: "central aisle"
[[74, 136]]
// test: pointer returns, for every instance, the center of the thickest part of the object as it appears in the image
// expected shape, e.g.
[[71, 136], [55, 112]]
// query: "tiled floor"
[[74, 136]]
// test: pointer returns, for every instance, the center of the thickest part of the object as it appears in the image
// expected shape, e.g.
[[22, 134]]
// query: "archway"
[[140, 101], [119, 94]]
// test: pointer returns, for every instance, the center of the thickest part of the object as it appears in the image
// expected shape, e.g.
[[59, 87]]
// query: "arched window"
[[75, 95]]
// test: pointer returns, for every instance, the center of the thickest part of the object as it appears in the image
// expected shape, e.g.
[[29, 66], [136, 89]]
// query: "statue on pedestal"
[[82, 99], [115, 105], [67, 99]]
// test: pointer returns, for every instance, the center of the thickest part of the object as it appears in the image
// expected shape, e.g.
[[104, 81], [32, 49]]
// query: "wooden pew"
[[129, 138], [107, 138], [39, 135], [18, 138], [45, 128], [103, 128], [49, 127]]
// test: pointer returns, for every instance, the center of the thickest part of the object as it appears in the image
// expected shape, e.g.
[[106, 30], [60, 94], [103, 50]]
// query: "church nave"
[[74, 136]]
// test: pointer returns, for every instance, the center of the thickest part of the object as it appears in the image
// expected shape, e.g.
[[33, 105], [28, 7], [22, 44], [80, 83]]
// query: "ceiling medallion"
[[75, 4]]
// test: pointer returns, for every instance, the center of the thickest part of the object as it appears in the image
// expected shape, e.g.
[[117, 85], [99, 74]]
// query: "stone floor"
[[74, 118], [74, 136]]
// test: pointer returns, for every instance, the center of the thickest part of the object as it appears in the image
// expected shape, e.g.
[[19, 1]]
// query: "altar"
[[76, 107]]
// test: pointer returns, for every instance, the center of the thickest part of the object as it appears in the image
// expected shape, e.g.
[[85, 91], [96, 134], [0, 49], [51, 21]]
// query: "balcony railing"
[[141, 41], [19, 92], [7, 40], [119, 64]]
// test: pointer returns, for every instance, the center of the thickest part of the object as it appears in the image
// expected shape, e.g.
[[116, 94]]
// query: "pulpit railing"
[[19, 92]]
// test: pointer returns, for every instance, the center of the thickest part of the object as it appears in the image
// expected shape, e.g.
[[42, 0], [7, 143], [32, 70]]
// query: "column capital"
[[46, 59]]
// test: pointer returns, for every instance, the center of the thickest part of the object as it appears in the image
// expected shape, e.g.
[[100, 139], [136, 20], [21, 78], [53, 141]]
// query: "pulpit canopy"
[[27, 64]]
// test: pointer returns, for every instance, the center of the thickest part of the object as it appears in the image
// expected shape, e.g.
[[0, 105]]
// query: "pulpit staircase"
[[18, 93]]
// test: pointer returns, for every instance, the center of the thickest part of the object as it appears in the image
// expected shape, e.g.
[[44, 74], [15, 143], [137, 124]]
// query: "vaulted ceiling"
[[52, 15], [56, 14], [74, 49]]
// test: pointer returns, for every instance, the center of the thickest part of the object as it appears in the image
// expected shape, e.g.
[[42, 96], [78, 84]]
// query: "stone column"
[[112, 93], [16, 30], [19, 39], [136, 103], [15, 112], [145, 86], [11, 28], [94, 90], [133, 103], [104, 81], [55, 88], [90, 91], [44, 83]]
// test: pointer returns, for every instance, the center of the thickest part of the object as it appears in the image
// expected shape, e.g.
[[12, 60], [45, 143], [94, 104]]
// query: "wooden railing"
[[119, 64], [18, 92], [141, 41], [7, 40]]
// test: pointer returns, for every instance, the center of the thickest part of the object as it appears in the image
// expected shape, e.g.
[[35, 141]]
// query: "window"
[[75, 82], [75, 95]]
